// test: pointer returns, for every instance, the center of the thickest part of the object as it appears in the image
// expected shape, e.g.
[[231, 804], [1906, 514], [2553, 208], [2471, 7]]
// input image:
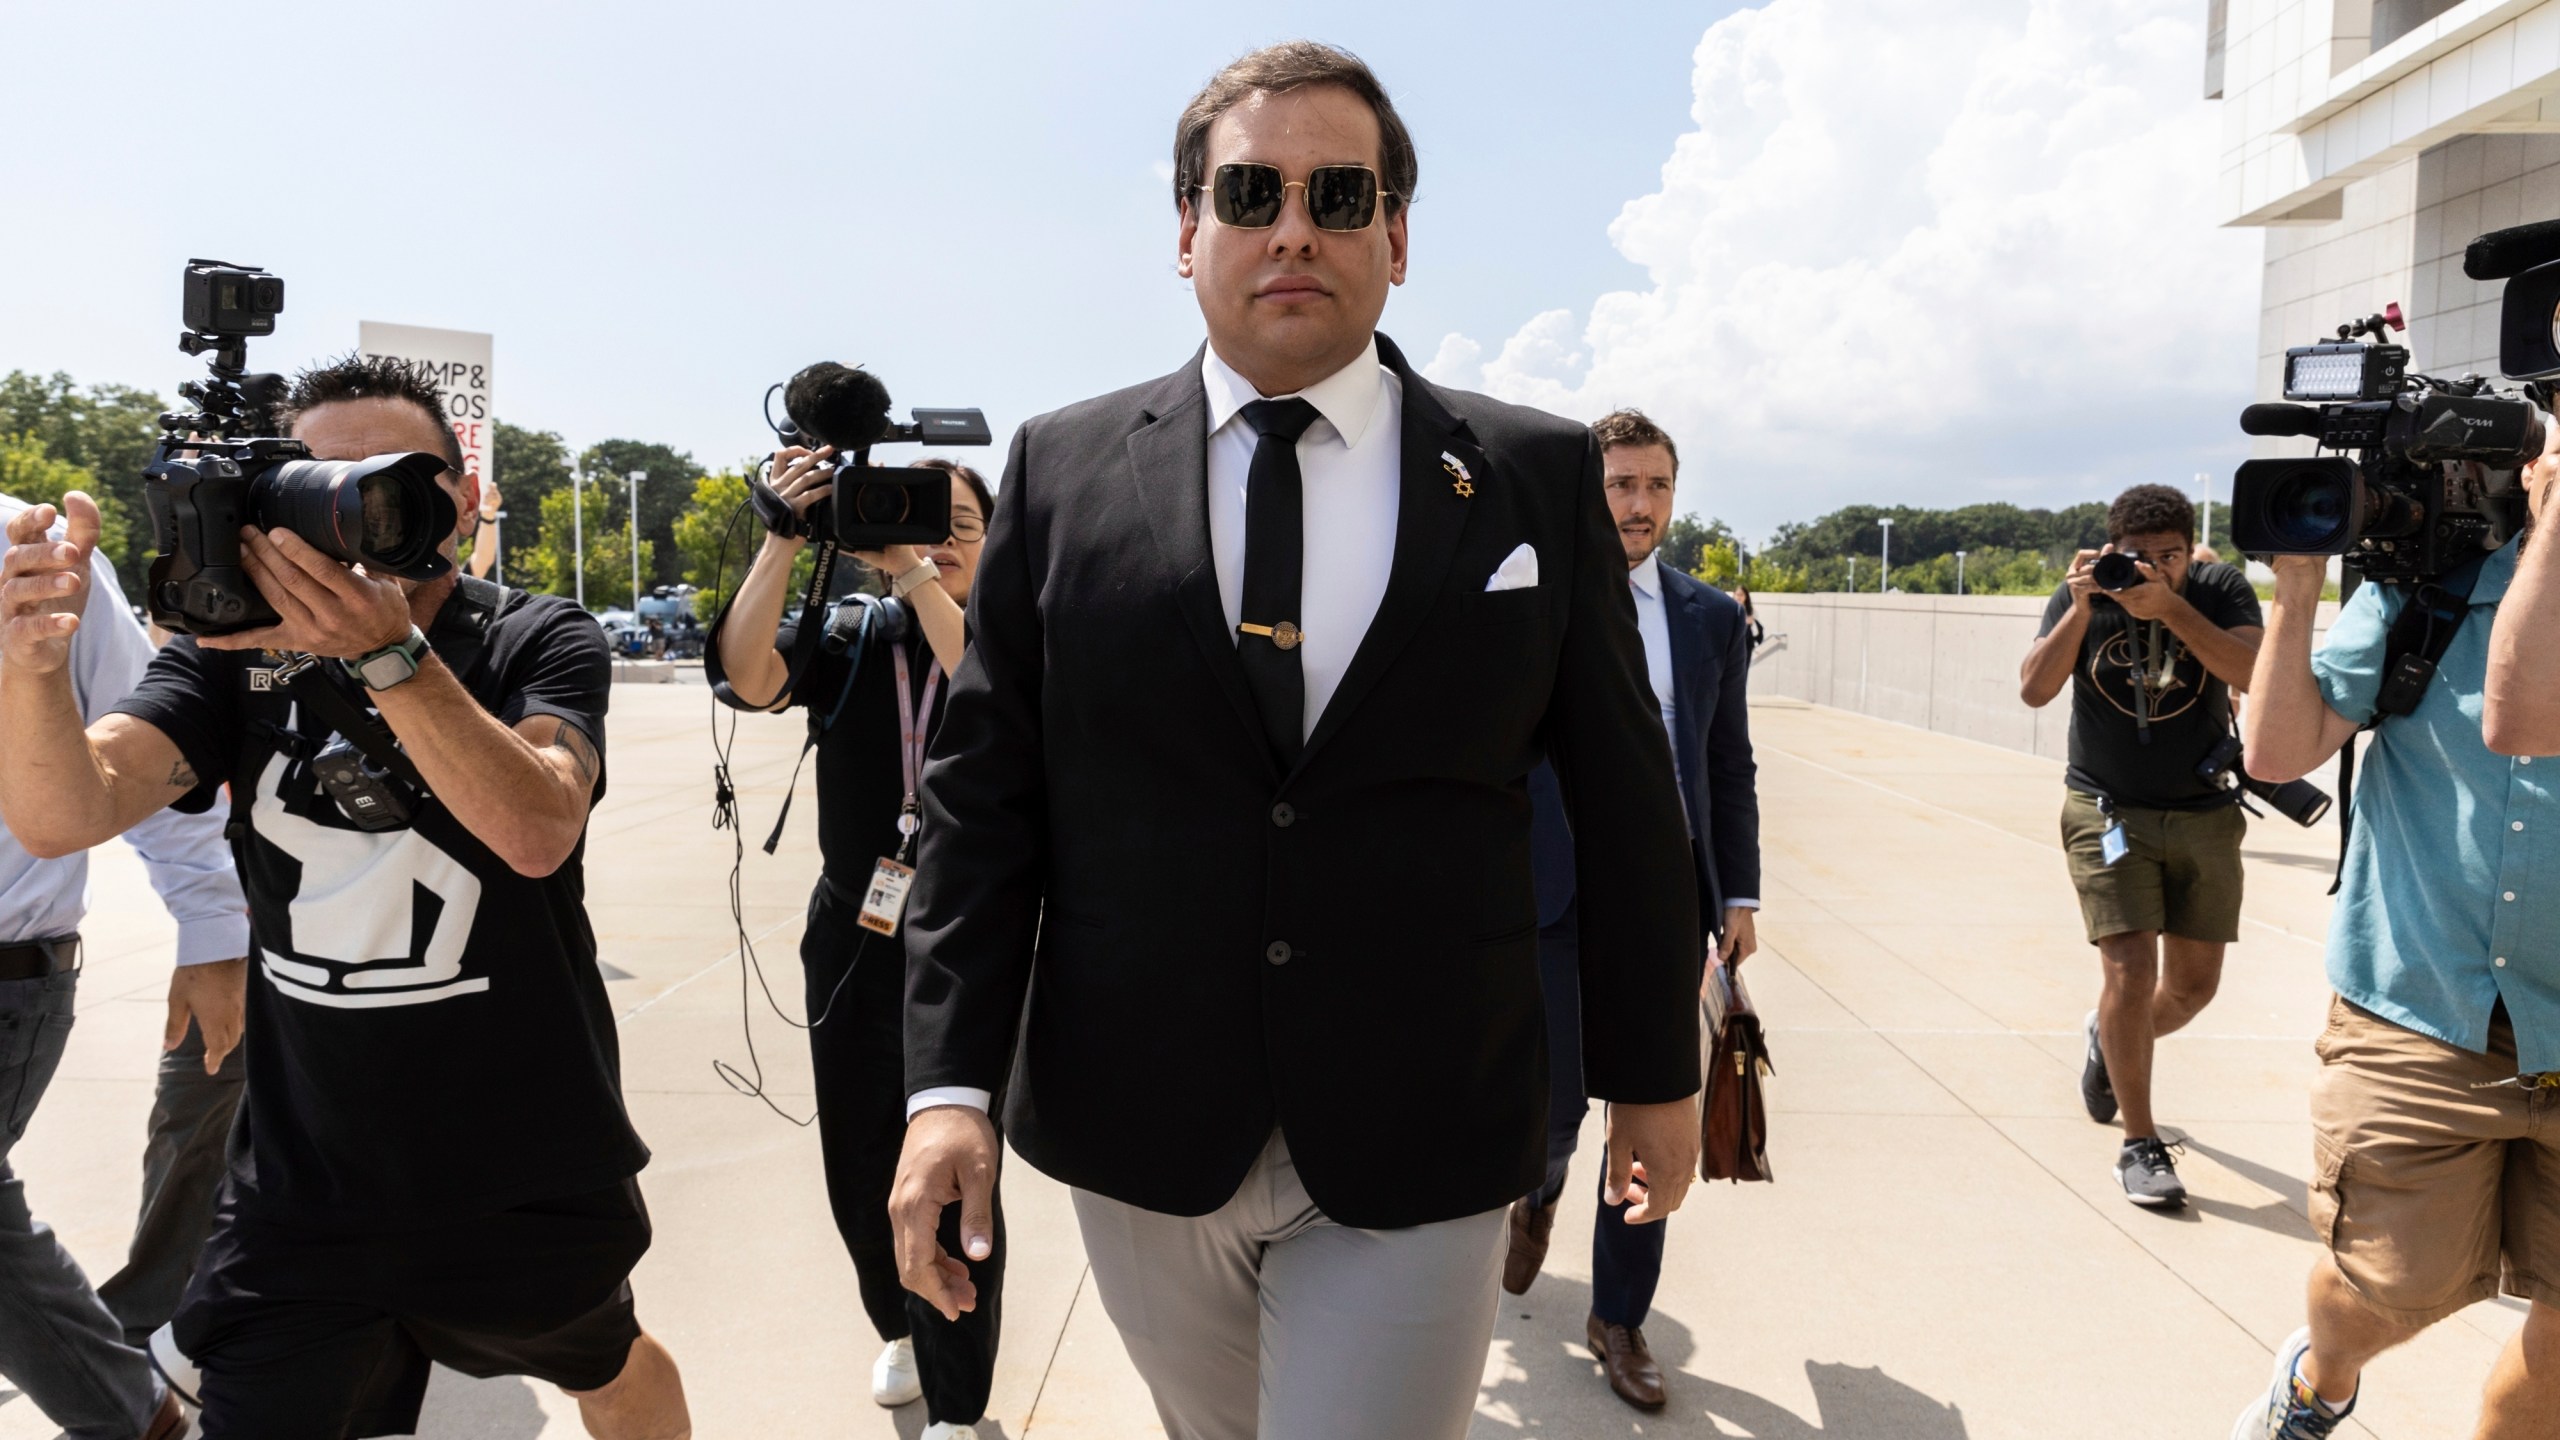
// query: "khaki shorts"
[[2180, 874], [2422, 1184]]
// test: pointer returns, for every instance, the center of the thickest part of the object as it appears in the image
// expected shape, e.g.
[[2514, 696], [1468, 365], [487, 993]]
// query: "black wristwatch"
[[391, 665]]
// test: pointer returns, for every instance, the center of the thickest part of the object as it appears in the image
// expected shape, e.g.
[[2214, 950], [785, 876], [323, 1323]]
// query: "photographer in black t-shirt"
[[872, 707], [2153, 843], [432, 1160]]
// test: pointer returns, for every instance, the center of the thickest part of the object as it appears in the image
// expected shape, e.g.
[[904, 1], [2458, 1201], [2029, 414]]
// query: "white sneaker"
[[945, 1430], [893, 1376]]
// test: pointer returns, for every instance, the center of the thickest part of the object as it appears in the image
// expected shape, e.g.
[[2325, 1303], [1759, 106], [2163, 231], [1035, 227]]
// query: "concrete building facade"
[[2372, 139]]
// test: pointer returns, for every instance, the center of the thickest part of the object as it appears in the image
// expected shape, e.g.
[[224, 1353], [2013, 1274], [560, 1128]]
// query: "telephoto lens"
[[386, 513], [2299, 801], [2117, 572]]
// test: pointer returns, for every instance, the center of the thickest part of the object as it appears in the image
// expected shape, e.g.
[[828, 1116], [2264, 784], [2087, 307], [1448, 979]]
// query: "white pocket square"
[[1518, 571]]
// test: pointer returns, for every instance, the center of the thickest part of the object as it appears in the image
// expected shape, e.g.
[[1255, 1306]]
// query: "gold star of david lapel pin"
[[1460, 480]]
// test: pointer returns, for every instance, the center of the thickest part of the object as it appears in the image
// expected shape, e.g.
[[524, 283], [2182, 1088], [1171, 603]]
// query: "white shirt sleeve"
[[966, 1095], [185, 855]]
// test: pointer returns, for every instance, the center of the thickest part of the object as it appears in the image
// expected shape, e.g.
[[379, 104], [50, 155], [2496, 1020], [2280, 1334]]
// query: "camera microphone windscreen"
[[839, 405], [2512, 251], [2280, 420]]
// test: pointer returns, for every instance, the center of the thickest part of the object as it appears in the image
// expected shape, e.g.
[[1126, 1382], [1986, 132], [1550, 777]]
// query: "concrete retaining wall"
[[1938, 662]]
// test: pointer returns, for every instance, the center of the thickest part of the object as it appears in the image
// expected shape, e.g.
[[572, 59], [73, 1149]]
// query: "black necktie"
[[1274, 556]]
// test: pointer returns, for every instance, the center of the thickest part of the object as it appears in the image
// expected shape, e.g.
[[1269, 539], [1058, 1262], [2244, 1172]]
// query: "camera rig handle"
[[2378, 326]]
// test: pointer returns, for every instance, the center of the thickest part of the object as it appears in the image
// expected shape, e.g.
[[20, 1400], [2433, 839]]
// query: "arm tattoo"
[[182, 776], [581, 752]]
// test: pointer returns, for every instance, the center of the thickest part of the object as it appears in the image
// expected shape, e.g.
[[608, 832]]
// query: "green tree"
[[549, 566], [108, 431], [1923, 534], [664, 495], [529, 466], [1685, 541], [717, 542], [1994, 571], [28, 473]]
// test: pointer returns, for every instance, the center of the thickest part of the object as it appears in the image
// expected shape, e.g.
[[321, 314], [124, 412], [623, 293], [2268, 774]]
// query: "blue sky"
[[659, 209]]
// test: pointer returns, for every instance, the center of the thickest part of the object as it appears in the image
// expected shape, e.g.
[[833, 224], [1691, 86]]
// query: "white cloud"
[[1920, 252]]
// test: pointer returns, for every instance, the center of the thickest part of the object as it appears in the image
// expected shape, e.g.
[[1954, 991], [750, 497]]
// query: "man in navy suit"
[[1697, 649]]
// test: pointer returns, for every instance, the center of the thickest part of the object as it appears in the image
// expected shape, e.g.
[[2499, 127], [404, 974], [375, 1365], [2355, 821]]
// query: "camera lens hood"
[[385, 512]]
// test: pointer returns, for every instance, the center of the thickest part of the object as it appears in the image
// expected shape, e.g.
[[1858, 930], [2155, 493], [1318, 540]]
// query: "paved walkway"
[[1942, 1257]]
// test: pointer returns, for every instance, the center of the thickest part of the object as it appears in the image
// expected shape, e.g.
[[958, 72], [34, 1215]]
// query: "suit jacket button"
[[1277, 952], [1284, 815]]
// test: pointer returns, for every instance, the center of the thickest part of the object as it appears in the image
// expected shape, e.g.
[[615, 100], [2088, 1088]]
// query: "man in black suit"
[[1697, 644], [1231, 794]]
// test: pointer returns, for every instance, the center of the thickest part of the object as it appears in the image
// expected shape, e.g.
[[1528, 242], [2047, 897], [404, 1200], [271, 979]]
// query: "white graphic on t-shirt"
[[357, 906]]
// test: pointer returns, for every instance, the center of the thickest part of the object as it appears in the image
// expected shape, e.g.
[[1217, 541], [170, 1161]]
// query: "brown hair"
[[1276, 70], [1633, 427], [2152, 510]]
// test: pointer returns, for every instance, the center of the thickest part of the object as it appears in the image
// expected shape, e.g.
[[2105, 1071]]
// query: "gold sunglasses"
[[1247, 196]]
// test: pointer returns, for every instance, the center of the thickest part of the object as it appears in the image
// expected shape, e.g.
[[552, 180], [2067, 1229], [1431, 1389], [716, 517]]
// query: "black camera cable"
[[725, 816]]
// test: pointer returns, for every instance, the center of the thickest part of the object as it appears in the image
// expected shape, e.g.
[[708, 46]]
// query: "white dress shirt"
[[1351, 463], [1351, 469], [1654, 625], [1646, 580], [185, 855]]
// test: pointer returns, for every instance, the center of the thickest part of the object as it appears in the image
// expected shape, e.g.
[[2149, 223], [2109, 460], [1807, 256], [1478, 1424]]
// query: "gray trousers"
[[57, 1341], [182, 1164], [1266, 1321]]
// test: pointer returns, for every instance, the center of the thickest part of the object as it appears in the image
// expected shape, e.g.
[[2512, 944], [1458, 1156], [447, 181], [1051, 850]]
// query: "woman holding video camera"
[[873, 689]]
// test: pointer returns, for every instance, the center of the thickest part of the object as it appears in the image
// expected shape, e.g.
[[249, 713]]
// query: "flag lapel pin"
[[1461, 481]]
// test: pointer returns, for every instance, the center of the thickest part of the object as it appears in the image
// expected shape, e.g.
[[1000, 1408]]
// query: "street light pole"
[[2204, 479], [1884, 578], [1959, 572], [635, 477], [578, 535]]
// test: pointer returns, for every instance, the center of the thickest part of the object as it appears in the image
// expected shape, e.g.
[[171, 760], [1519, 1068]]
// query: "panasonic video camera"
[[873, 505], [211, 475], [2428, 474]]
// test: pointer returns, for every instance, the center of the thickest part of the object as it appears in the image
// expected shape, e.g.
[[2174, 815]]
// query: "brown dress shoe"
[[1531, 1225], [171, 1421], [1621, 1351]]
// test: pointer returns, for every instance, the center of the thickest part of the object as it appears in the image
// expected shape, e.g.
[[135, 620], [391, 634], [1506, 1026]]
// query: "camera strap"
[[2419, 637], [304, 679], [804, 643]]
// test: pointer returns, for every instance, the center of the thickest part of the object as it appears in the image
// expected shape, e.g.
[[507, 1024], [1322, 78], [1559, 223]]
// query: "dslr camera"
[[873, 506], [213, 474], [2115, 571], [2429, 474], [2299, 801]]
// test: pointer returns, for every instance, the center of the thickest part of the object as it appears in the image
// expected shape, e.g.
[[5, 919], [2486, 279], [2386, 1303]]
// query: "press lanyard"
[[911, 741]]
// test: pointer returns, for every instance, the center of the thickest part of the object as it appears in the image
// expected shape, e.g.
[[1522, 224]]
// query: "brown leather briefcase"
[[1734, 1124]]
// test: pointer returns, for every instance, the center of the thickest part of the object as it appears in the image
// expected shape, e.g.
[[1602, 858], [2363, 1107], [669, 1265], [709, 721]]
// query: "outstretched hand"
[[950, 1157], [44, 583]]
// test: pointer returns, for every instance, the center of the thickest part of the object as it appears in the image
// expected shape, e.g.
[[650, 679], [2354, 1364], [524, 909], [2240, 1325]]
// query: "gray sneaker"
[[2096, 1090], [2149, 1176], [2287, 1411]]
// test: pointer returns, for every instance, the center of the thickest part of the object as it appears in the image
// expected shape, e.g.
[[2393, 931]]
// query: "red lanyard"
[[911, 740]]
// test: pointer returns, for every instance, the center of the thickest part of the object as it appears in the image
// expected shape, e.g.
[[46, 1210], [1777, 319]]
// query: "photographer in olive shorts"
[[2154, 846]]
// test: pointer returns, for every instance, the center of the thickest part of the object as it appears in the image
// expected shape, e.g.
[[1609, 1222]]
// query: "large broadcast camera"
[[2437, 479], [208, 477], [873, 505]]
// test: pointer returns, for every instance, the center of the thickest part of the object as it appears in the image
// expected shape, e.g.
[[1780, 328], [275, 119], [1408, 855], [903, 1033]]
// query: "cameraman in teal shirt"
[[2436, 1113]]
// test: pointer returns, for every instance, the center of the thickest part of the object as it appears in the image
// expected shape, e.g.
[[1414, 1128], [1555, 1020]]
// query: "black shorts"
[[301, 1332]]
